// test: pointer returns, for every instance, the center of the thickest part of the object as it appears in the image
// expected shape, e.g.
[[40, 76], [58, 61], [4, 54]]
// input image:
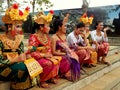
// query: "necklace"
[[43, 39], [11, 43]]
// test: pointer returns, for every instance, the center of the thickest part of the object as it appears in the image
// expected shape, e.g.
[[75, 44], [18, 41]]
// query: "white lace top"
[[73, 41], [99, 39]]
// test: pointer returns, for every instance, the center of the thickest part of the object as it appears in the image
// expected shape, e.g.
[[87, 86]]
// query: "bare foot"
[[44, 85], [54, 80], [105, 62]]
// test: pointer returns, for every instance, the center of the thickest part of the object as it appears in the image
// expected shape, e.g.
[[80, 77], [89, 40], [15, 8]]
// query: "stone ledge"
[[107, 82], [84, 82], [116, 87], [114, 41], [94, 74], [4, 85]]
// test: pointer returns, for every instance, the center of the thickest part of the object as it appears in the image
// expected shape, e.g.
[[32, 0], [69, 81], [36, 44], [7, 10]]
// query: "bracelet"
[[33, 49]]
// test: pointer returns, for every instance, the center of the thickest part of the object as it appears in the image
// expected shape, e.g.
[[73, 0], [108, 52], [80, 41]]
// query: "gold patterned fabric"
[[17, 73], [34, 68], [21, 85]]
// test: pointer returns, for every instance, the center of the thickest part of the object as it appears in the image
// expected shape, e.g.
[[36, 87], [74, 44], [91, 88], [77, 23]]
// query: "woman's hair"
[[80, 25], [97, 22], [6, 27], [57, 22], [36, 27]]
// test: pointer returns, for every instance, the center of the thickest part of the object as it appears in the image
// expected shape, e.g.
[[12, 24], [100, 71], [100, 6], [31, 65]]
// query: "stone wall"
[[113, 41]]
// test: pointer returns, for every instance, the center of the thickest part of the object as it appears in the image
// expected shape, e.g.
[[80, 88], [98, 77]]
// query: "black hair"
[[36, 26], [57, 21], [97, 23], [6, 27], [80, 25]]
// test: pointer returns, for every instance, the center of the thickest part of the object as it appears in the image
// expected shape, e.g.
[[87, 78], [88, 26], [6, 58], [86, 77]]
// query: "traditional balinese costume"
[[88, 21], [43, 46], [17, 72], [74, 43], [103, 43], [69, 65]]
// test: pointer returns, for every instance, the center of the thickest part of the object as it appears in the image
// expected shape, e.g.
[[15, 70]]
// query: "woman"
[[41, 49], [100, 42], [88, 21], [12, 65], [69, 66]]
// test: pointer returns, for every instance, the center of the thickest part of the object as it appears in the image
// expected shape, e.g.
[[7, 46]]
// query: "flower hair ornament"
[[41, 18], [85, 19], [14, 15]]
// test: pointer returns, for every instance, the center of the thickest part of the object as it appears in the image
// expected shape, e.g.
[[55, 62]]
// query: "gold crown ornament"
[[13, 14], [41, 18], [85, 19]]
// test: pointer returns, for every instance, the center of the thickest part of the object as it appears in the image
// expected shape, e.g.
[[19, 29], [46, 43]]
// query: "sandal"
[[44, 85]]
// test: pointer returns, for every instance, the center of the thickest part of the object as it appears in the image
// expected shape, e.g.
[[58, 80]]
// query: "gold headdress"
[[41, 18], [13, 14], [85, 19]]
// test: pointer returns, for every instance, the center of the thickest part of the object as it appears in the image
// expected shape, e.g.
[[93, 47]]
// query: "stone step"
[[113, 50], [110, 81], [114, 41], [93, 74], [4, 85]]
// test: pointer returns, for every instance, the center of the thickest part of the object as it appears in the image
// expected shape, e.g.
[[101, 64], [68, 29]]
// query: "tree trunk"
[[8, 3], [85, 6], [33, 6]]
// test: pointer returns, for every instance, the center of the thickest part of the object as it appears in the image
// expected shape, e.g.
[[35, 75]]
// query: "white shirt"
[[73, 41], [99, 39]]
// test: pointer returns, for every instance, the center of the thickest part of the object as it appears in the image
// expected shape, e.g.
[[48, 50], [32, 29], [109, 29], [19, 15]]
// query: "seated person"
[[100, 42], [12, 67], [78, 44], [41, 49], [69, 65], [88, 21]]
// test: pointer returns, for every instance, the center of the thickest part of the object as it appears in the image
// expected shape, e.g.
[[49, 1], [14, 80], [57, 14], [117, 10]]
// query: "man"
[[79, 44]]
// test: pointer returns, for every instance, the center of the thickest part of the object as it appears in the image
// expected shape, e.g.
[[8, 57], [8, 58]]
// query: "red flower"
[[51, 11], [27, 8], [15, 6], [20, 13]]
